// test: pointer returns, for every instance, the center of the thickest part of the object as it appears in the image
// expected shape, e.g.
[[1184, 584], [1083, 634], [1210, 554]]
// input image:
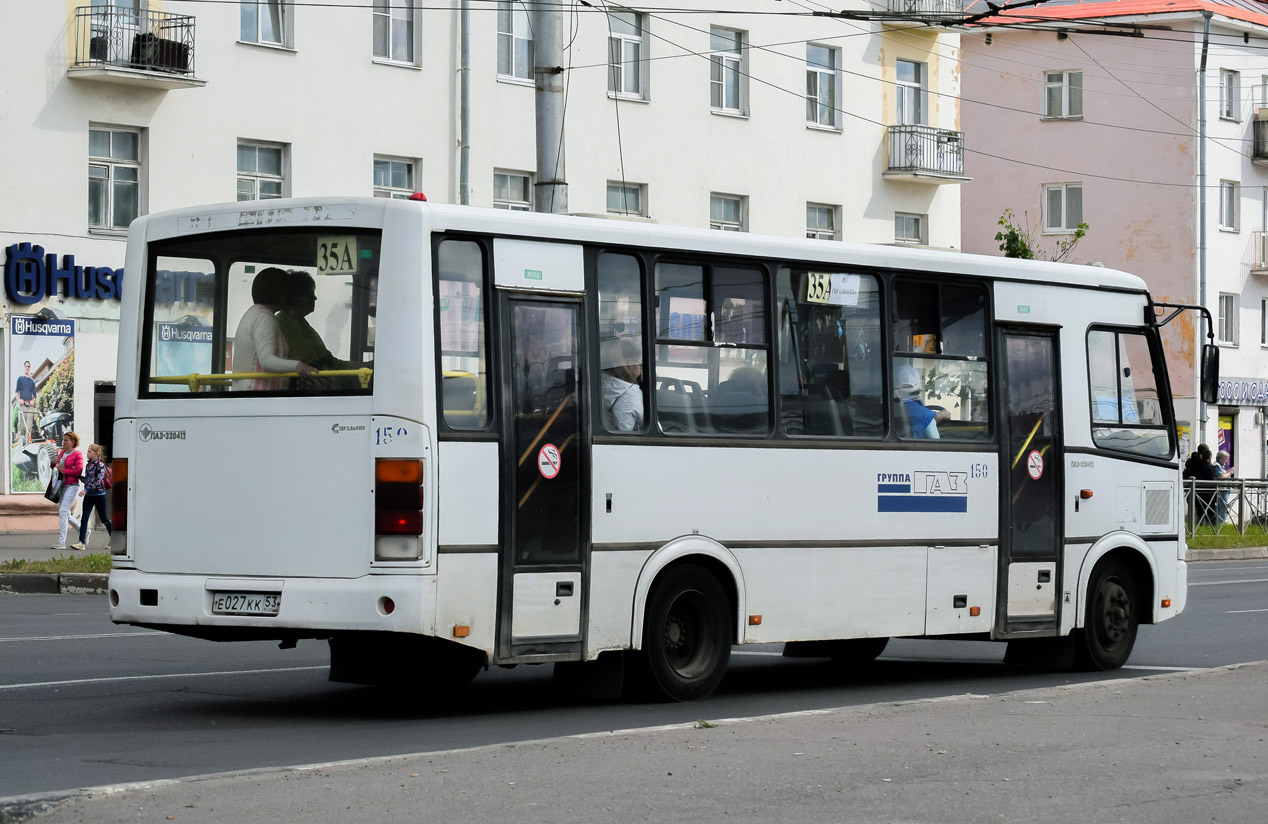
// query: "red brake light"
[[398, 522]]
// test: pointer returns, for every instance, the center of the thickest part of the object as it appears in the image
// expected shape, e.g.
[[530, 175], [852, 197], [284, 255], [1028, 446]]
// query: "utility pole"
[[1200, 429], [550, 192]]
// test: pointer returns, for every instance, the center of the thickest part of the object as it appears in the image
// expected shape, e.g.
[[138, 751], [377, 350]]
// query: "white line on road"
[[79, 637], [1233, 569], [1243, 611], [1161, 669], [1225, 583], [151, 677]]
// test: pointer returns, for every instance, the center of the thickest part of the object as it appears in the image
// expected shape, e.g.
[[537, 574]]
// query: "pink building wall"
[[1148, 230]]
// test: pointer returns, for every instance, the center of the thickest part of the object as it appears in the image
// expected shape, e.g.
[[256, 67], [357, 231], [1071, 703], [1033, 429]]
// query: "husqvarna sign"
[[30, 276]]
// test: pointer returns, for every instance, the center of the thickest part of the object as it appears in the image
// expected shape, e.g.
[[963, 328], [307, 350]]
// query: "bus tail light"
[[398, 509], [119, 495]]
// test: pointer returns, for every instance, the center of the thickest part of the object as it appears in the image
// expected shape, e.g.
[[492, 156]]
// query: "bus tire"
[[687, 634], [1109, 631]]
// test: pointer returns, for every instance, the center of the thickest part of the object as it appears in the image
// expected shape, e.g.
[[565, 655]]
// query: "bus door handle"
[[563, 589]]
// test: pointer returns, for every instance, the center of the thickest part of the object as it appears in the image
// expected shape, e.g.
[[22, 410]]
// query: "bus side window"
[[622, 385], [463, 359], [1127, 413], [941, 376], [830, 353]]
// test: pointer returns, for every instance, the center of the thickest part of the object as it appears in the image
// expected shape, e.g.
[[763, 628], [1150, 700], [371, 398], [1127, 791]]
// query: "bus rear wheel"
[[1109, 631], [687, 634]]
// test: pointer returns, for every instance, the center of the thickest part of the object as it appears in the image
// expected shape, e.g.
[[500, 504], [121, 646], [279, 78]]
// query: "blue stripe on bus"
[[922, 503], [883, 488]]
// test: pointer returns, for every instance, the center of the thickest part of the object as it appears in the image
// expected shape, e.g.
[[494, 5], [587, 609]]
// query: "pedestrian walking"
[[70, 462], [94, 492]]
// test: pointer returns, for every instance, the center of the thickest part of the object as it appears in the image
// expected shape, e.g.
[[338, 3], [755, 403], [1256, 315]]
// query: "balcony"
[[1259, 253], [934, 14], [1259, 146], [118, 44], [926, 154]]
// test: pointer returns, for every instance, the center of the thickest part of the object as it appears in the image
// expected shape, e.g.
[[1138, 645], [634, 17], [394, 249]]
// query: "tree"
[[1016, 239]]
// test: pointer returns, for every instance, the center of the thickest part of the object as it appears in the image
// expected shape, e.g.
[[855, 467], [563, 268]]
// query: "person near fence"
[[70, 463], [1222, 472], [1200, 468]]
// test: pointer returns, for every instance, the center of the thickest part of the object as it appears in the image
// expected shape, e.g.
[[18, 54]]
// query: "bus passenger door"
[[1031, 534], [545, 474]]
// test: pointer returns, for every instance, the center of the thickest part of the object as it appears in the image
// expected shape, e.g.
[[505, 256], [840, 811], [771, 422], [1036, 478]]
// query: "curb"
[[1239, 553], [49, 583]]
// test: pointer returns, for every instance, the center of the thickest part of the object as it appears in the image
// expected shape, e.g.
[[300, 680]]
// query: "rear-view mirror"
[[1210, 373]]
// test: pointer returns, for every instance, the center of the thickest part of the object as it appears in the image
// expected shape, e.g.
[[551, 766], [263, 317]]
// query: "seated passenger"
[[924, 421], [622, 396], [302, 339], [258, 345]]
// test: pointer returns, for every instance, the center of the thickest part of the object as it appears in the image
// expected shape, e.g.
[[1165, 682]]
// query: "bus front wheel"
[[687, 634], [1109, 631]]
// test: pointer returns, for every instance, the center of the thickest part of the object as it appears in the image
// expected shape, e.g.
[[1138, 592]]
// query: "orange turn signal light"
[[119, 470], [461, 630], [975, 611], [398, 471], [754, 620], [1166, 602], [1085, 494]]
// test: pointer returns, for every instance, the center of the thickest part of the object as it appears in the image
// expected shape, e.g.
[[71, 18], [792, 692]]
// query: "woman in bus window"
[[258, 345]]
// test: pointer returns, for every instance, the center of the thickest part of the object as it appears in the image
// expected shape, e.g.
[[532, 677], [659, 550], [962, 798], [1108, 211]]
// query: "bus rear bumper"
[[313, 606]]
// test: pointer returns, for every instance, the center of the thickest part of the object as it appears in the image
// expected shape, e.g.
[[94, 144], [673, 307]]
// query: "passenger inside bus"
[[258, 344], [302, 339], [620, 384], [923, 420]]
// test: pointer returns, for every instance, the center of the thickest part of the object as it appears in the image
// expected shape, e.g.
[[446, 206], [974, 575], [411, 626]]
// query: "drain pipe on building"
[[464, 106]]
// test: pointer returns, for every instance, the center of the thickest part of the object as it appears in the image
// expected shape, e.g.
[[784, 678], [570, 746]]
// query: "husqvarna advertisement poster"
[[41, 396]]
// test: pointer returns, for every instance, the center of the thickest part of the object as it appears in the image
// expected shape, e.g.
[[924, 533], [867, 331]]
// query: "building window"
[[1230, 198], [728, 213], [512, 190], [114, 178], [515, 41], [913, 80], [727, 72], [394, 30], [626, 34], [626, 199], [1228, 319], [393, 177], [821, 222], [1230, 94], [263, 21], [1063, 94], [1263, 322], [261, 174], [821, 85], [909, 228], [1062, 207]]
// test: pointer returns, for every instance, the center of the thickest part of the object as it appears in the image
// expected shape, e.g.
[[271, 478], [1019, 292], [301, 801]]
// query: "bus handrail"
[[196, 380]]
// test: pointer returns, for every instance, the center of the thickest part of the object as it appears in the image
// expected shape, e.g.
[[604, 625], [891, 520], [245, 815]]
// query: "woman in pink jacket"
[[70, 462]]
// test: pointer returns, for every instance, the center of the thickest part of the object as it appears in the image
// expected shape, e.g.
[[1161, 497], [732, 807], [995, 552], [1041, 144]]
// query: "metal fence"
[[126, 38], [926, 149], [1242, 503], [928, 8]]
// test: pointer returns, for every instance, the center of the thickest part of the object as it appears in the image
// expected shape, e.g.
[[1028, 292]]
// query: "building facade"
[[841, 129], [1091, 114]]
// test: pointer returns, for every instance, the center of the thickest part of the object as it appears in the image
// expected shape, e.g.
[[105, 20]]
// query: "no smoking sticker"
[[1034, 464], [548, 461]]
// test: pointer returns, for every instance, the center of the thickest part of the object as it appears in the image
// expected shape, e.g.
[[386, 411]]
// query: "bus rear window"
[[266, 311]]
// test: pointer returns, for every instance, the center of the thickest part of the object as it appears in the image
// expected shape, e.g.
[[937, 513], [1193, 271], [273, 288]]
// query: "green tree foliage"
[[1016, 239], [58, 392]]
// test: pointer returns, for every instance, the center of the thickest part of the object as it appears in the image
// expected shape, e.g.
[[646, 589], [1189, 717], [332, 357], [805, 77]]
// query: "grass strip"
[[96, 562]]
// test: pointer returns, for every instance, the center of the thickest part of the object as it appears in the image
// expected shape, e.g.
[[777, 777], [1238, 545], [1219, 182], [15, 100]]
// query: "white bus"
[[547, 439]]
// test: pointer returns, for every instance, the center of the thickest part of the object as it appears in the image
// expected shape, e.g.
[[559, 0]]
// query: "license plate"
[[246, 603]]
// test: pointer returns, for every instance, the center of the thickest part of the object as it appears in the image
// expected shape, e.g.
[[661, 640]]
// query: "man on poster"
[[24, 397]]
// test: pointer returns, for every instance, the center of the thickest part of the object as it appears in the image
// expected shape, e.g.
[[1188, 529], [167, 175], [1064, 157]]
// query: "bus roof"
[[623, 232]]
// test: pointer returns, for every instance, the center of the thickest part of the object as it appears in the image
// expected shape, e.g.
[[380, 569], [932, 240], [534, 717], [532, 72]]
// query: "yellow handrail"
[[195, 380]]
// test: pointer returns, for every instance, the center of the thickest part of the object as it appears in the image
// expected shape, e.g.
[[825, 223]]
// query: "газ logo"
[[148, 433], [922, 492]]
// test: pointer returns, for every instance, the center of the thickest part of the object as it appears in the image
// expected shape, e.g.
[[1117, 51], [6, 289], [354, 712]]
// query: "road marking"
[[1225, 583], [1161, 669], [1233, 569], [152, 677], [1243, 611], [76, 637], [755, 652]]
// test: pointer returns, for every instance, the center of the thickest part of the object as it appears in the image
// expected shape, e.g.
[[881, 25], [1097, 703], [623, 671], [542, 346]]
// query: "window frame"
[[1064, 188], [514, 205], [1263, 322], [493, 401], [1227, 323], [389, 11], [1230, 201], [1063, 81], [1161, 383], [112, 165], [922, 224], [817, 73], [396, 192], [512, 7], [817, 233], [912, 93], [733, 64], [1230, 95], [621, 70], [721, 224], [639, 189], [283, 24], [256, 177]]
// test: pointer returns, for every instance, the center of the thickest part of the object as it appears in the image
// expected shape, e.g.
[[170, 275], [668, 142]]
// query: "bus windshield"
[[252, 311]]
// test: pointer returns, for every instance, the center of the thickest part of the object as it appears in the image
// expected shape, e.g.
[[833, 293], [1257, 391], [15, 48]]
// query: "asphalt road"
[[86, 703]]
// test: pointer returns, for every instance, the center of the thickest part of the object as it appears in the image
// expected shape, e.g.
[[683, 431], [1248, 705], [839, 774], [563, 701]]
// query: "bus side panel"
[[468, 493], [467, 596], [613, 579]]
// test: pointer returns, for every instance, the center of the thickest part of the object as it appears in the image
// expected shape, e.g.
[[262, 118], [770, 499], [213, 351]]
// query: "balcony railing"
[[948, 9], [926, 151], [1259, 252], [1259, 146], [125, 38]]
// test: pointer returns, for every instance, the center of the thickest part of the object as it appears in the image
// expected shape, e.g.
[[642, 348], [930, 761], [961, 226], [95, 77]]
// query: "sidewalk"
[[1177, 747]]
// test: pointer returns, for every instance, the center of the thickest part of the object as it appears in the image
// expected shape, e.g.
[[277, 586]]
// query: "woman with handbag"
[[70, 463], [94, 493]]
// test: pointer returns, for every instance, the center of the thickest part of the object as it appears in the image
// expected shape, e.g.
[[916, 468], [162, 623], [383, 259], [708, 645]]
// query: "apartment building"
[[1090, 112]]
